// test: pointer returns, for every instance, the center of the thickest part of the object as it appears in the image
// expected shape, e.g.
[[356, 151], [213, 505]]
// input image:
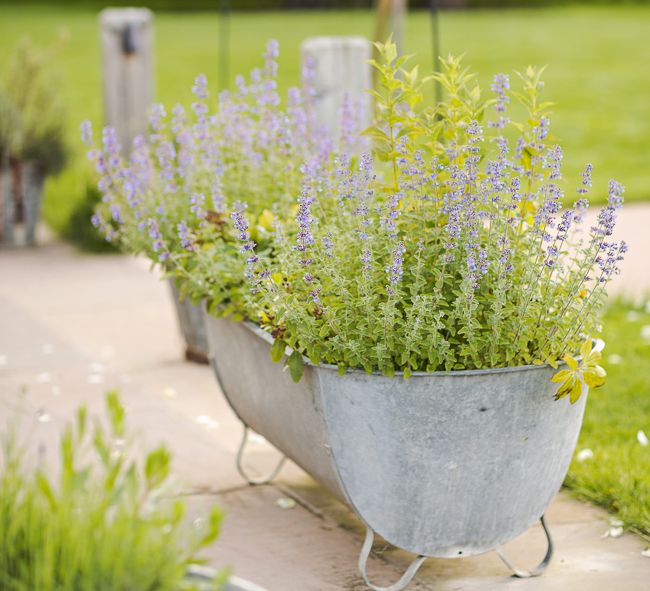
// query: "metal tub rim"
[[260, 332]]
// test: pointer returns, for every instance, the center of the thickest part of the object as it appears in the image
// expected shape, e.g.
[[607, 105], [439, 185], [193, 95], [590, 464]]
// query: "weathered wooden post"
[[127, 49], [341, 73], [391, 17]]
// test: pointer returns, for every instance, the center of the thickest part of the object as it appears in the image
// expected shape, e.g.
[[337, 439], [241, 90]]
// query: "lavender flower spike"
[[87, 133], [241, 225], [500, 87], [305, 237], [586, 180], [396, 269], [239, 221], [184, 235], [272, 50], [200, 88]]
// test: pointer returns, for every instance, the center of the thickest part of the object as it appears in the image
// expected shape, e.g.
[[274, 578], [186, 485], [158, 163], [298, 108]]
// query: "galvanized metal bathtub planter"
[[192, 324], [442, 464]]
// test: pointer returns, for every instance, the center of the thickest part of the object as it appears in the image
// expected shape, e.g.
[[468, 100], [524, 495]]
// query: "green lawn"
[[597, 72], [618, 474]]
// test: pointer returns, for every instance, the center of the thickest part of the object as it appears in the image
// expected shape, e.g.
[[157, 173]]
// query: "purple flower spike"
[[500, 87], [615, 197], [328, 244], [366, 259], [304, 219], [586, 180], [200, 88], [395, 270], [156, 116], [87, 133], [184, 235], [272, 50], [554, 162], [240, 222]]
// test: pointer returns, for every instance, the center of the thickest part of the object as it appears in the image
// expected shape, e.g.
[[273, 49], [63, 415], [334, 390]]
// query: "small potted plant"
[[104, 520], [32, 138]]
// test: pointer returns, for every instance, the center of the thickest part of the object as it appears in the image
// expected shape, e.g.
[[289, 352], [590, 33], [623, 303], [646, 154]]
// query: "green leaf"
[[157, 467], [565, 388], [277, 350], [213, 527], [100, 445], [45, 488], [562, 376], [115, 413], [575, 392], [82, 421], [388, 371], [571, 362], [296, 366], [595, 377]]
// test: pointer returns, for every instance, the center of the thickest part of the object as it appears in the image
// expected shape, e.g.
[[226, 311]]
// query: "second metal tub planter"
[[191, 320], [441, 465]]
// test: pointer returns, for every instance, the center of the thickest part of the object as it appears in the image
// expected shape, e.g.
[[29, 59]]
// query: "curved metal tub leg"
[[522, 574], [240, 467], [405, 578]]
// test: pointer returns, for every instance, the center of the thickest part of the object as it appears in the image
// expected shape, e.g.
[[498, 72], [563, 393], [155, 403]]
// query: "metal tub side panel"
[[191, 320], [265, 397], [450, 465]]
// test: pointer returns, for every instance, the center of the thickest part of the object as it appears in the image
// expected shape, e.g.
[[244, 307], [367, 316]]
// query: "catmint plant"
[[448, 247], [171, 195]]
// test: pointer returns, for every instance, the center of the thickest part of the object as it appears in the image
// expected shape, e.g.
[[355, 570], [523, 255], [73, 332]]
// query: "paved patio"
[[72, 326]]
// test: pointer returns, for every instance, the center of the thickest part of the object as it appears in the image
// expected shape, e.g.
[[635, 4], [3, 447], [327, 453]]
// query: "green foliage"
[[106, 521], [32, 124], [296, 366], [447, 252], [78, 227], [450, 253]]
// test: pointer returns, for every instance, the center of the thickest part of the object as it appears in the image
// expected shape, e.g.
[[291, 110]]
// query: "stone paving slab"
[[72, 326]]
